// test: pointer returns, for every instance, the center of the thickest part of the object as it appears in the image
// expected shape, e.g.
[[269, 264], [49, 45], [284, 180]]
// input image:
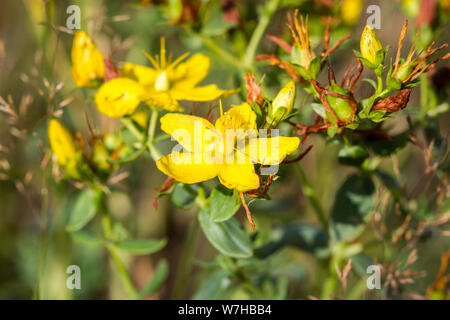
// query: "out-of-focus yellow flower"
[[445, 4], [202, 138], [87, 61], [161, 86], [370, 44], [350, 11], [284, 99], [62, 143], [119, 97]]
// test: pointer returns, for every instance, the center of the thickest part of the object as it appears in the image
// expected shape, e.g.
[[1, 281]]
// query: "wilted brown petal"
[[393, 103]]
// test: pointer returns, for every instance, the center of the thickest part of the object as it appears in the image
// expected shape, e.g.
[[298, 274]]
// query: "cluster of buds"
[[338, 109]]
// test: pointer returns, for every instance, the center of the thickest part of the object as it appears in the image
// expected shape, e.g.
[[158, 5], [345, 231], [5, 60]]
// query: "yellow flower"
[[161, 86], [62, 143], [227, 149], [119, 97], [350, 11], [87, 61], [284, 99], [370, 44]]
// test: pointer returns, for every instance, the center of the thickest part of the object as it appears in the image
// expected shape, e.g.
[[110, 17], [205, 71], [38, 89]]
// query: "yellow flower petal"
[[272, 151], [189, 131], [191, 72], [238, 117], [144, 75], [119, 97], [161, 99], [61, 142], [188, 172], [241, 177], [87, 61], [205, 93]]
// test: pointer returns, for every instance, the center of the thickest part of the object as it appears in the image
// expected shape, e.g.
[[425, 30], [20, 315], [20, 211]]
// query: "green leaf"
[[159, 277], [86, 206], [213, 285], [213, 22], [306, 237], [378, 116], [86, 239], [181, 197], [352, 205], [139, 247], [319, 109], [372, 83], [228, 237], [331, 131], [353, 155], [385, 147], [224, 203]]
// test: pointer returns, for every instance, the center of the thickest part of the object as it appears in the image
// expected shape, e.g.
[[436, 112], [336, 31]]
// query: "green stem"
[[263, 22], [130, 126], [150, 139], [45, 236], [154, 152], [188, 254], [226, 56], [107, 230], [312, 196], [185, 264]]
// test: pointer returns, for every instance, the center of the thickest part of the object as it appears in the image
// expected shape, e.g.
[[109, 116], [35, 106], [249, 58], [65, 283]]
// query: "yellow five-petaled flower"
[[202, 138], [161, 86]]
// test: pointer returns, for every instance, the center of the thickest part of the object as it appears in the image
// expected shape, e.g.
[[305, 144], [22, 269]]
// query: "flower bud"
[[370, 44], [87, 61], [62, 143], [284, 99], [342, 107]]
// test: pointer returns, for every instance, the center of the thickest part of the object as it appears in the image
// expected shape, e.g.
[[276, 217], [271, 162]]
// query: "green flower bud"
[[340, 106], [284, 99]]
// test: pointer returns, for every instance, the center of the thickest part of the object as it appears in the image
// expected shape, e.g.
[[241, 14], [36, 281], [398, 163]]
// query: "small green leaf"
[[224, 203], [319, 109], [372, 83], [306, 237], [353, 155], [385, 147], [159, 277], [139, 247], [352, 205], [86, 239], [181, 197], [331, 131], [86, 206], [213, 285], [228, 237]]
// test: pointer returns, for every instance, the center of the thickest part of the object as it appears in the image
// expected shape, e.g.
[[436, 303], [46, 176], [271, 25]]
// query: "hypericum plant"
[[244, 148]]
